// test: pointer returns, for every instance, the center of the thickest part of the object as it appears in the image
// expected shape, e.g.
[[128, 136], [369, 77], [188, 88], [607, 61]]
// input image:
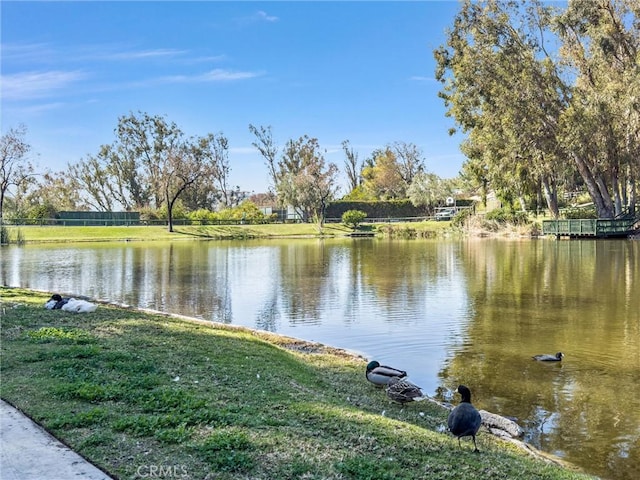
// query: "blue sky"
[[357, 71]]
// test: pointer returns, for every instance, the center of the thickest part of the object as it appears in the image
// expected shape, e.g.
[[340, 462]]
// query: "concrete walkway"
[[28, 452]]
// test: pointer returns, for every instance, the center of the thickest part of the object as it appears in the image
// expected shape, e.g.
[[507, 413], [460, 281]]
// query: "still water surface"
[[449, 312]]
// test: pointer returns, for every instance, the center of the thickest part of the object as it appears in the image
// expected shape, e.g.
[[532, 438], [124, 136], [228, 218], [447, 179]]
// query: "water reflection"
[[576, 297], [470, 312]]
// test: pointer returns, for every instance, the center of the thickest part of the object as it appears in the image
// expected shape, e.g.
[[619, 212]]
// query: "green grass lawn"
[[129, 390], [29, 234]]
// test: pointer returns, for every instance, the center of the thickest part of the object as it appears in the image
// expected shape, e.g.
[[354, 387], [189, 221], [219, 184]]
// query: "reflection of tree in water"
[[304, 286], [352, 268], [298, 287], [404, 280], [221, 309], [587, 407], [360, 275], [268, 316], [218, 277], [166, 276]]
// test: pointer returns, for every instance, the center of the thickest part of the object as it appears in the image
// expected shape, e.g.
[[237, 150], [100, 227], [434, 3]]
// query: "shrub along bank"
[[132, 390]]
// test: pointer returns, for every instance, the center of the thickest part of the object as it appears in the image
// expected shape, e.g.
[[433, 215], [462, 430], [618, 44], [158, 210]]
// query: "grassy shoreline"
[[51, 234], [129, 389]]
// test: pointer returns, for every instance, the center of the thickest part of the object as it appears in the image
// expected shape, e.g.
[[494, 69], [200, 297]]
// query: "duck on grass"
[[401, 390], [380, 375]]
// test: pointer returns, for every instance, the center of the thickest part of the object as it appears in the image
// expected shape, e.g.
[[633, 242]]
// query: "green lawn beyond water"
[[30, 234], [136, 392]]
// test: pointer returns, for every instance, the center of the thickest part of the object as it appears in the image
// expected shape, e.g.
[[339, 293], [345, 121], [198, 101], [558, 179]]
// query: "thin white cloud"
[[25, 52], [29, 85], [209, 59], [145, 54], [216, 75], [178, 56], [34, 110], [219, 74], [262, 15], [45, 53]]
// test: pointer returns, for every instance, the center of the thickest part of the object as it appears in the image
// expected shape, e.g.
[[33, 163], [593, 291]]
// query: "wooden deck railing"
[[602, 227]]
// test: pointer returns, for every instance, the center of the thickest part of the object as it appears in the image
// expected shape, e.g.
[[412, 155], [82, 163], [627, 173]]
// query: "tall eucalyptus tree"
[[528, 116], [503, 88], [601, 127]]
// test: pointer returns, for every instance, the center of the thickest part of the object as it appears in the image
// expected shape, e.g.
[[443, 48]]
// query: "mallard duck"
[[464, 420], [401, 390], [549, 358], [381, 374]]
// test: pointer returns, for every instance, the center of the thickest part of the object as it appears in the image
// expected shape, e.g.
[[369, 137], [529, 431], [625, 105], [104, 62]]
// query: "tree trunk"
[[592, 187], [1, 206], [625, 181], [170, 213], [632, 187], [615, 185], [170, 220], [609, 210], [551, 196]]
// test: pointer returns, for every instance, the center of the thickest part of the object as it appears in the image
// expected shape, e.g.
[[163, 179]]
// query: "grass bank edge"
[[42, 234], [53, 366]]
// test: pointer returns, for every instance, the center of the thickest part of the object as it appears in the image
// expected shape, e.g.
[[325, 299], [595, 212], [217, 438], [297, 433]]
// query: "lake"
[[469, 311]]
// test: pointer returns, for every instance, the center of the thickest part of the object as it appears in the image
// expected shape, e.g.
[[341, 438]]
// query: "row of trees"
[[150, 165], [153, 165], [548, 98], [302, 178]]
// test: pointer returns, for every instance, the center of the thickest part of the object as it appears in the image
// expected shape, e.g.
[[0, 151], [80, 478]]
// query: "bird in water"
[[464, 420], [549, 358], [380, 375], [401, 390]]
